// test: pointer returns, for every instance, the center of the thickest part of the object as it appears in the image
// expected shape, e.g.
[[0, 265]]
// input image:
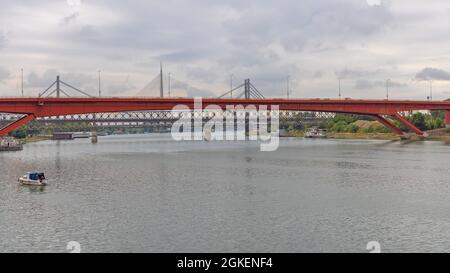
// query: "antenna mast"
[[161, 89]]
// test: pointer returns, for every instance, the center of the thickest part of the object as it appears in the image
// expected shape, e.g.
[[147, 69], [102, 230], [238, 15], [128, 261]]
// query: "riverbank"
[[35, 139], [433, 136], [377, 136], [333, 135], [441, 135]]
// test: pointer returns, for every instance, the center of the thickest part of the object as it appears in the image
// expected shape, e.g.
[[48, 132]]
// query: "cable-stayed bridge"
[[161, 86]]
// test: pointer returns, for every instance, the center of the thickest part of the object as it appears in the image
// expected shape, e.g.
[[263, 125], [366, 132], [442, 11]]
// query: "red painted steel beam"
[[447, 118], [390, 125], [65, 106], [16, 124], [408, 124], [42, 107]]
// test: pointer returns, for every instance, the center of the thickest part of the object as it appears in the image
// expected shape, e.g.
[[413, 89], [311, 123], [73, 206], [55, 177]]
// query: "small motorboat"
[[33, 179], [315, 133]]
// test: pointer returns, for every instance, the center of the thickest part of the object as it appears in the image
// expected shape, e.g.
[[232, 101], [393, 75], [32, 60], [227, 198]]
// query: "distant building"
[[62, 136]]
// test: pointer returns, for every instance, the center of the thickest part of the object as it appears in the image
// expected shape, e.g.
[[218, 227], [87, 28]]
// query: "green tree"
[[352, 128], [418, 119], [19, 133]]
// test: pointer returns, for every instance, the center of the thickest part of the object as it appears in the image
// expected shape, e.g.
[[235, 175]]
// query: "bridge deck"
[[45, 107]]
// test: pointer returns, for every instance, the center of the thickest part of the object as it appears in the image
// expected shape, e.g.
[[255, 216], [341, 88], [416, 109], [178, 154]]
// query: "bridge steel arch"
[[380, 109]]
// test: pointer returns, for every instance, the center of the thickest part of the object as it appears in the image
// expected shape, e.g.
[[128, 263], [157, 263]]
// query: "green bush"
[[19, 133], [418, 119], [424, 122], [352, 128], [339, 127]]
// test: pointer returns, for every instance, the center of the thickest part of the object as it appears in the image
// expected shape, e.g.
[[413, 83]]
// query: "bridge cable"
[[234, 89], [76, 89], [64, 92], [256, 94], [256, 90], [41, 94], [51, 93]]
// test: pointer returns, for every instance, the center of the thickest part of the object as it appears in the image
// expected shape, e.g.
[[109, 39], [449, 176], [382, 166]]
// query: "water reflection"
[[35, 189]]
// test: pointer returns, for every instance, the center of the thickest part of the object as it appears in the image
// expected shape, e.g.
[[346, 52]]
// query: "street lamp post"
[[431, 90], [21, 70], [169, 83], [99, 83], [387, 89], [287, 86], [231, 85]]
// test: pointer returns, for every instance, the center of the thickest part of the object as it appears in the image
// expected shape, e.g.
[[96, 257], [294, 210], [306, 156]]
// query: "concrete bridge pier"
[[94, 137]]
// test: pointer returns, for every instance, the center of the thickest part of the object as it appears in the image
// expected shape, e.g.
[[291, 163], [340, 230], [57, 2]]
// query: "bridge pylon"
[[250, 91], [58, 90]]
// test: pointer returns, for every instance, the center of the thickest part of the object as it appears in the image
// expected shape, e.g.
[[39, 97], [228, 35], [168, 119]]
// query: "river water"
[[147, 193]]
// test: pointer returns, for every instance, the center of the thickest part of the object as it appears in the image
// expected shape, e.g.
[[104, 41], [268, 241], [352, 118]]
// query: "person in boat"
[[37, 176], [41, 176]]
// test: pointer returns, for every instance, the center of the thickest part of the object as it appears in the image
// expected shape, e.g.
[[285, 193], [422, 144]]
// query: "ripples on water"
[[146, 193]]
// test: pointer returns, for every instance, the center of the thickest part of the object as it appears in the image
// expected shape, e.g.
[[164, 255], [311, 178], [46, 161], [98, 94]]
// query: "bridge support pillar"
[[408, 124], [16, 124], [388, 124], [447, 119], [94, 137]]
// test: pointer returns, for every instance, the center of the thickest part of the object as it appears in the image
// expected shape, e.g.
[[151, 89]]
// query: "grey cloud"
[[238, 40], [206, 41], [191, 91], [363, 84], [3, 40], [204, 73], [120, 88], [4, 74], [394, 84], [41, 81], [318, 74], [180, 56], [296, 23], [354, 74], [178, 88], [429, 73], [71, 18]]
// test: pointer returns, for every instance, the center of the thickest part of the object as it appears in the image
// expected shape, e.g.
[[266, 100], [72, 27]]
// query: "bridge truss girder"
[[41, 108], [157, 118]]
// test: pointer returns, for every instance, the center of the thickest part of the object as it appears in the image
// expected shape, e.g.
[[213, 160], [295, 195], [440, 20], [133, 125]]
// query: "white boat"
[[81, 134], [33, 179], [315, 133]]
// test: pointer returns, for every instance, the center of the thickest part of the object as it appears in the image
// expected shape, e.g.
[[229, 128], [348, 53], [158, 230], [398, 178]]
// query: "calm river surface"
[[146, 193]]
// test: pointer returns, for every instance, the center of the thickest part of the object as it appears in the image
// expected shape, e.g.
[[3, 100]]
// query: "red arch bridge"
[[49, 108]]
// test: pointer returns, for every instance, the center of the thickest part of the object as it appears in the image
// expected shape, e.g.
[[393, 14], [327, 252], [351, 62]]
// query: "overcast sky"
[[202, 42]]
